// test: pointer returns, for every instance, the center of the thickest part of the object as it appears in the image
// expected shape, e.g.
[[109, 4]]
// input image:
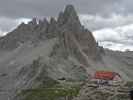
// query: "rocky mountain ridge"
[[60, 50], [63, 45], [74, 37]]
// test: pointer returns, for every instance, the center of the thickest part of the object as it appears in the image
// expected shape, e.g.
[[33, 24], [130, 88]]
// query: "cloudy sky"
[[111, 21]]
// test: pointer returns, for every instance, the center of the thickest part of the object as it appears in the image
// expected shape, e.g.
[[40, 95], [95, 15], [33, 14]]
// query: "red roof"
[[106, 75]]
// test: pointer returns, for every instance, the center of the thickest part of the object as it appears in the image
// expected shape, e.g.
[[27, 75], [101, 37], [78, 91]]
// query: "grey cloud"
[[126, 6], [32, 8], [15, 9], [119, 38], [96, 15], [7, 24], [116, 46], [96, 22]]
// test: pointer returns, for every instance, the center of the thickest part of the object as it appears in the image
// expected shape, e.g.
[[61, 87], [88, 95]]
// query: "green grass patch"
[[50, 93], [129, 84]]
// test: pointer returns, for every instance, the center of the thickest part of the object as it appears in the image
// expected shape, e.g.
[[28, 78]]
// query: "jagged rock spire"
[[52, 26], [33, 22], [77, 39], [43, 25], [70, 12], [43, 22], [69, 19]]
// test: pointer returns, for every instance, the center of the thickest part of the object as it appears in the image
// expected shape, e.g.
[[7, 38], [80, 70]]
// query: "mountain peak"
[[70, 11], [69, 19], [67, 22]]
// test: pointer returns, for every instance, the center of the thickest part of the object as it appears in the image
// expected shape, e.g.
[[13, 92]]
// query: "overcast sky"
[[111, 21]]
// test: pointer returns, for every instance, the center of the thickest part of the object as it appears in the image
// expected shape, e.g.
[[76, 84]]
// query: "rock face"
[[91, 91], [77, 40], [63, 44], [69, 19]]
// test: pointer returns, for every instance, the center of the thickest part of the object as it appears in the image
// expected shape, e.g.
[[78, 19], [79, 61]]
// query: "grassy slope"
[[54, 92]]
